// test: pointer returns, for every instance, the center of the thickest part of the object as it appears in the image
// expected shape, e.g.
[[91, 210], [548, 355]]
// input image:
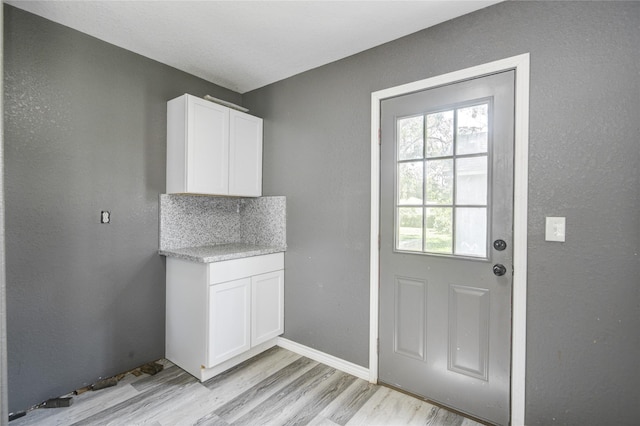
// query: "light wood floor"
[[277, 387]]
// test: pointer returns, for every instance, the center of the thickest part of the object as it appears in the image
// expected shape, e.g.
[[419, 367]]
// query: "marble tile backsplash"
[[263, 221], [195, 220]]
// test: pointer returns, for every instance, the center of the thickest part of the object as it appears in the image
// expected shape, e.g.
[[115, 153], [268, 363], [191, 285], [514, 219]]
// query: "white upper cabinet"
[[212, 149], [245, 154], [206, 144]]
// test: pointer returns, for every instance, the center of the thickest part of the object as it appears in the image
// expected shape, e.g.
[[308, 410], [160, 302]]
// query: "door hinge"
[[379, 244], [379, 136]]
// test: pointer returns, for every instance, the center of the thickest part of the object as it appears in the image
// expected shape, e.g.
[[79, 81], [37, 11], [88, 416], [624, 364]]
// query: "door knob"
[[499, 269]]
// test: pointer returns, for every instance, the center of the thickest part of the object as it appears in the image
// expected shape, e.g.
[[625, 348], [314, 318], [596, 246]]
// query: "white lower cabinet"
[[229, 320], [220, 314], [267, 314]]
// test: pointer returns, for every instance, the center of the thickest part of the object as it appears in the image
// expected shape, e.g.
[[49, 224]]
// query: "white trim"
[[520, 64], [521, 185], [330, 360]]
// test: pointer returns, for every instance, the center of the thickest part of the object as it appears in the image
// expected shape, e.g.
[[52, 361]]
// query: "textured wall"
[[85, 131], [584, 295], [4, 394]]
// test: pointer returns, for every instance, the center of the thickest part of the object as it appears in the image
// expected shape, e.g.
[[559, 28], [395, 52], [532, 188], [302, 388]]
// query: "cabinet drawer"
[[229, 270]]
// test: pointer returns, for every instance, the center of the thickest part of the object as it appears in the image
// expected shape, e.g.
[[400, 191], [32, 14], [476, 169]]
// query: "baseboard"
[[330, 360]]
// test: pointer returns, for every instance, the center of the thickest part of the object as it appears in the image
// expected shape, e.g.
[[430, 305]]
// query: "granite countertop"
[[220, 252]]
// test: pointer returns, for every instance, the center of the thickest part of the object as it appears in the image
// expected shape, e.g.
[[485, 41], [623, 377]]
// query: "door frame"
[[520, 64]]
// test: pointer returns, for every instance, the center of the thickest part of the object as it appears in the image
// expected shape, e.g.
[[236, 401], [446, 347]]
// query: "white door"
[[229, 320], [207, 147], [267, 306], [245, 154], [446, 219]]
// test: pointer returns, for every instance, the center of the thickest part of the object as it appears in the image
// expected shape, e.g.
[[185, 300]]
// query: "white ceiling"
[[244, 45]]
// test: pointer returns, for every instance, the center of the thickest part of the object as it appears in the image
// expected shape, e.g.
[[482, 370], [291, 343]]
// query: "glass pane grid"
[[442, 193]]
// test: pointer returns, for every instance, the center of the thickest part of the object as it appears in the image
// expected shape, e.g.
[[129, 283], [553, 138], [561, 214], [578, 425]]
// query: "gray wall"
[[85, 131], [584, 295], [4, 394]]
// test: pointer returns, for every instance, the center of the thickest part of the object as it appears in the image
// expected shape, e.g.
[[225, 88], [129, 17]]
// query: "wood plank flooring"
[[277, 387]]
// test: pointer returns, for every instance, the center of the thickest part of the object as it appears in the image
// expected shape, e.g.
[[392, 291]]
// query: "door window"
[[442, 181]]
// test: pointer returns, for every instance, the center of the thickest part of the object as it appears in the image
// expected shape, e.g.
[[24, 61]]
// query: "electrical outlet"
[[105, 217]]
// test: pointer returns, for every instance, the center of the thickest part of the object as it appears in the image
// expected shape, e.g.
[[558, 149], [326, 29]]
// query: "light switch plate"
[[555, 228]]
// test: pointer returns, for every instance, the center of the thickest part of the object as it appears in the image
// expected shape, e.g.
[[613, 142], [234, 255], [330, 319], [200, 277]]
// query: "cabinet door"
[[245, 154], [229, 320], [267, 303], [207, 147]]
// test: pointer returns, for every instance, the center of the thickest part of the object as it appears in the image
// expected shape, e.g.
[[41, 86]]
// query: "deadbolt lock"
[[499, 245]]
